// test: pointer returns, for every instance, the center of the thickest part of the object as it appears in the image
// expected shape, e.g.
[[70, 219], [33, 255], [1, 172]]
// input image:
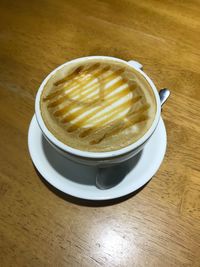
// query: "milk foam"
[[104, 113], [102, 106]]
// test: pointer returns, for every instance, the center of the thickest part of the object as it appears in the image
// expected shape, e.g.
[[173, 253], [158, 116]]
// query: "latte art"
[[97, 105]]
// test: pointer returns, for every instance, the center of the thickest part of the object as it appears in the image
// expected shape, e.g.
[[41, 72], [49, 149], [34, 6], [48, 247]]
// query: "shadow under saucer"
[[77, 183], [85, 202]]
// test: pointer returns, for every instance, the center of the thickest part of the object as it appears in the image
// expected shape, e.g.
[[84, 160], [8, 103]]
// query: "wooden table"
[[159, 226]]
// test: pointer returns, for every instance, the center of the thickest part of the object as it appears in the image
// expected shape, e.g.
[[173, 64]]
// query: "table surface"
[[158, 226]]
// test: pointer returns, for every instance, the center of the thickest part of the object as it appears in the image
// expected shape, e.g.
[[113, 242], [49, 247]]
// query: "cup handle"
[[135, 64], [108, 177]]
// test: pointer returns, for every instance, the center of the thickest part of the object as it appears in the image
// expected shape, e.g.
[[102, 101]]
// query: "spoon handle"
[[164, 94]]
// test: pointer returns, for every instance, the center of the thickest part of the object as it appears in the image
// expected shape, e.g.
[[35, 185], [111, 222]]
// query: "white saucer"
[[79, 180]]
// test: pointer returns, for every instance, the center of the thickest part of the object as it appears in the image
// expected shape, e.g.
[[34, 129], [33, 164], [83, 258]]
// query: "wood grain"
[[159, 226]]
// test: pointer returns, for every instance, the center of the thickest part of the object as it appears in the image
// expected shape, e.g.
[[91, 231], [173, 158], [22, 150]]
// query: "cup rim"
[[89, 154]]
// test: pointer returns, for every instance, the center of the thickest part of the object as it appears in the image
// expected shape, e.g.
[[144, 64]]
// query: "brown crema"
[[97, 105]]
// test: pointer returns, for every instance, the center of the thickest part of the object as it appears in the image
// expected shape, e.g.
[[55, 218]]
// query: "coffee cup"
[[105, 158]]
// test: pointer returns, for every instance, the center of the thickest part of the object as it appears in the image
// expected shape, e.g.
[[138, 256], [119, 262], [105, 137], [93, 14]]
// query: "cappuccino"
[[97, 105]]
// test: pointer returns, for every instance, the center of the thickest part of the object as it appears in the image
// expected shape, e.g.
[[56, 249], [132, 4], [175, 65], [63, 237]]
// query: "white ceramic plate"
[[79, 180]]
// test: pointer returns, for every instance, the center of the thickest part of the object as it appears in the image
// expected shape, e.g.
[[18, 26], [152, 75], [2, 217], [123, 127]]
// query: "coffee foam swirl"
[[93, 103]]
